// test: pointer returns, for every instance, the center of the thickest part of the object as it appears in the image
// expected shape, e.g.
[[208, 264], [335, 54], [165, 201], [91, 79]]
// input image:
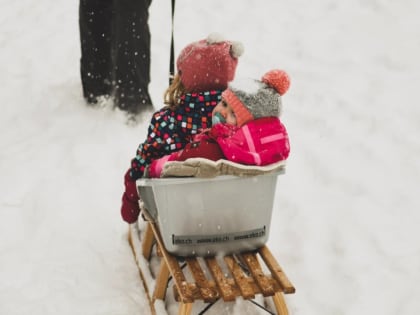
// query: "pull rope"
[[172, 57]]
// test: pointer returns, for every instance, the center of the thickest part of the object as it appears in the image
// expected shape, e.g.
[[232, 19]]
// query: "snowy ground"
[[346, 218]]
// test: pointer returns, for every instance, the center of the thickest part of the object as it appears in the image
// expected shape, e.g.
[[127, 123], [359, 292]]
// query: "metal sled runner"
[[210, 263]]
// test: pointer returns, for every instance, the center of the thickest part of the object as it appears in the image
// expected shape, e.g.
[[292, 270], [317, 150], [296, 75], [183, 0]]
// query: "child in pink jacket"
[[246, 126]]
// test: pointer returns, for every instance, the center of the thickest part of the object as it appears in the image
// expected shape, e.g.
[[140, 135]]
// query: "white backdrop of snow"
[[346, 223]]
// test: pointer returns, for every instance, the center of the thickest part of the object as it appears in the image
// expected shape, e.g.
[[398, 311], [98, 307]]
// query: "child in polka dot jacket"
[[204, 70]]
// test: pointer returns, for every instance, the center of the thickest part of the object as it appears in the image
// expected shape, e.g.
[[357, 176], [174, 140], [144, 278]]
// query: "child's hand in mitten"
[[130, 209]]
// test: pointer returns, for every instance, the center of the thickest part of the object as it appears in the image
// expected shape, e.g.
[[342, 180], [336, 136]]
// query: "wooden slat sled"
[[212, 278]]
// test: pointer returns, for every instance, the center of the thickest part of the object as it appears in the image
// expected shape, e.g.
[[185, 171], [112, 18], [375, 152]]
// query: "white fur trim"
[[204, 168], [215, 38], [237, 49]]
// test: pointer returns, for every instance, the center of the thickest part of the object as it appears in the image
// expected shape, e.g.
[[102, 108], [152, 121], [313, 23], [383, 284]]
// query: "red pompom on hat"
[[277, 79], [208, 64]]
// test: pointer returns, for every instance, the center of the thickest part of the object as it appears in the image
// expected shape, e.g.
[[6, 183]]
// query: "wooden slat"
[[207, 288], [253, 285], [161, 281], [240, 278], [276, 271], [132, 231], [158, 251], [192, 287], [179, 279], [226, 290], [185, 308], [263, 282], [280, 304], [147, 242], [150, 236]]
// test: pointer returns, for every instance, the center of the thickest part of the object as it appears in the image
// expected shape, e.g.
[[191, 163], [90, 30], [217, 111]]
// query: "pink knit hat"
[[251, 99], [208, 64]]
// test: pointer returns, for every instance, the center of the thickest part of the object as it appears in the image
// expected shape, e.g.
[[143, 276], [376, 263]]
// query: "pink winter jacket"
[[259, 142]]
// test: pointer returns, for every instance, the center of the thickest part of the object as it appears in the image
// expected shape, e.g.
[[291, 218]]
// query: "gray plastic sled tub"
[[201, 217]]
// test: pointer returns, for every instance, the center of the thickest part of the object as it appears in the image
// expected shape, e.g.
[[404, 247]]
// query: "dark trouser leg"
[[95, 21], [132, 54]]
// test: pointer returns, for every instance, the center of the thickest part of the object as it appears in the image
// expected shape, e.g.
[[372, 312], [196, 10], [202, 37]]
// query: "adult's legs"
[[95, 24], [132, 55]]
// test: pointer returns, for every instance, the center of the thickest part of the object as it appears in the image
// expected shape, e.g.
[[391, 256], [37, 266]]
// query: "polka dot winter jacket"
[[170, 131]]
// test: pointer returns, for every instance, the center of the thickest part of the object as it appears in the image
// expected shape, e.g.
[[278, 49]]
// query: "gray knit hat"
[[253, 99]]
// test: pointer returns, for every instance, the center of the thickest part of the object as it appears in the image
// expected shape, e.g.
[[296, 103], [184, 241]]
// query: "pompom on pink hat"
[[251, 99], [208, 64]]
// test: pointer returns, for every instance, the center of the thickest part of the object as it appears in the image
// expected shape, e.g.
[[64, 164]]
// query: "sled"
[[228, 266]]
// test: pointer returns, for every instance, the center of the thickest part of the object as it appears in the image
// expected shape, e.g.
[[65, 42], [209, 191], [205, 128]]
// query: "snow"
[[345, 226]]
